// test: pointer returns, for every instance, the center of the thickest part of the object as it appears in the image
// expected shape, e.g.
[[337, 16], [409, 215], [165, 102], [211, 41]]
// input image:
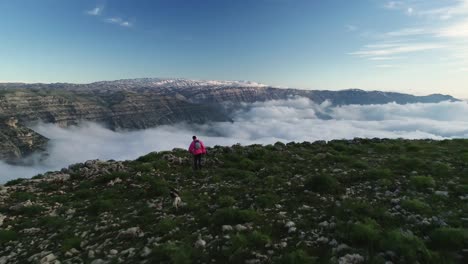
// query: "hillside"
[[357, 201]]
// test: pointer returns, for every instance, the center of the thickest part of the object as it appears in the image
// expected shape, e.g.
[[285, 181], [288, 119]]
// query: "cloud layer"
[[297, 120]]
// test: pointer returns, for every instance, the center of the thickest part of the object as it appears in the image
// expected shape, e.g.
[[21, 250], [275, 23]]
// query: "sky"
[[412, 46]]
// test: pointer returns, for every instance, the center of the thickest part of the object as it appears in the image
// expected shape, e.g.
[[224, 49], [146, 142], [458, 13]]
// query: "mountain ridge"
[[150, 102]]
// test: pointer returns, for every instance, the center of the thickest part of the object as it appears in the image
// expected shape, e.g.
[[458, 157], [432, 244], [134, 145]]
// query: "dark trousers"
[[197, 161]]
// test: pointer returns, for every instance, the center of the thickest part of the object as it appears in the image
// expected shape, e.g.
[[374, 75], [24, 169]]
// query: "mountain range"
[[149, 102]]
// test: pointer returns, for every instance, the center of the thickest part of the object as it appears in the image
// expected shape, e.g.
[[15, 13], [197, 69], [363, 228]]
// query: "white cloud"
[[394, 5], [393, 49], [383, 58], [263, 122], [386, 66], [409, 10], [457, 30], [406, 32], [118, 21], [95, 11], [351, 28]]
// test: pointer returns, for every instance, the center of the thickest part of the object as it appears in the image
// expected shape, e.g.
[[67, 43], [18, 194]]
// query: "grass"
[[352, 185]]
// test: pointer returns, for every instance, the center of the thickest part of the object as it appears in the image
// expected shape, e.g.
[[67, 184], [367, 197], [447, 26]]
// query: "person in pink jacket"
[[197, 148]]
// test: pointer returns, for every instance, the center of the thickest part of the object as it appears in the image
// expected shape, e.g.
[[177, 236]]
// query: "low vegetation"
[[358, 201]]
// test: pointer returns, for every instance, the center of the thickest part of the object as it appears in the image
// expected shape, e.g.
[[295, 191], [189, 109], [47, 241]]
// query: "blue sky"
[[414, 46]]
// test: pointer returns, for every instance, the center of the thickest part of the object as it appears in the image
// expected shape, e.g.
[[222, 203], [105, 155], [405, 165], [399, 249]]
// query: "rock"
[[132, 232], [333, 243], [200, 243], [441, 193], [340, 248], [324, 224], [2, 218], [351, 259], [113, 252], [98, 261], [240, 228], [226, 228], [145, 252], [91, 254], [31, 230], [289, 224], [323, 240], [50, 258]]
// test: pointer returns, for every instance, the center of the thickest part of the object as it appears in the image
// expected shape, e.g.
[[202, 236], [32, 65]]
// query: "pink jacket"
[[194, 151]]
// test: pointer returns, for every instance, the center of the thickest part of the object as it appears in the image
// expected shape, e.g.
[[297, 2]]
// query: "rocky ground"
[[359, 201]]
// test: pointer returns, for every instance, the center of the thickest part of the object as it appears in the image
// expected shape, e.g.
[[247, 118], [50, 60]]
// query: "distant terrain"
[[146, 103], [346, 202]]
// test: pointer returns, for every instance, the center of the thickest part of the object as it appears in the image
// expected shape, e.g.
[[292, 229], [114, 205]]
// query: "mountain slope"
[[358, 201], [146, 103]]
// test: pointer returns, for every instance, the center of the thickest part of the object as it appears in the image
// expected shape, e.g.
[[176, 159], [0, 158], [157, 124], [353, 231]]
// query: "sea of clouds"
[[297, 119]]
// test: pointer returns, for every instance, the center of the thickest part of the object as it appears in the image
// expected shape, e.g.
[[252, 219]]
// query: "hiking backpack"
[[197, 145]]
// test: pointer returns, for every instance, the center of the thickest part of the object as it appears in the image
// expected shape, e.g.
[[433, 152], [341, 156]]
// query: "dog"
[[176, 198]]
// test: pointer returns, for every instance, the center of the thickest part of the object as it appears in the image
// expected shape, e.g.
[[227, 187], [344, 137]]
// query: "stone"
[[145, 252], [50, 258], [441, 193], [240, 228], [131, 232], [226, 228], [351, 259]]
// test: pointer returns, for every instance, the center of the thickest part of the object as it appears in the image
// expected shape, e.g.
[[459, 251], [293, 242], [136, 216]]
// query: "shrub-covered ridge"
[[357, 201]]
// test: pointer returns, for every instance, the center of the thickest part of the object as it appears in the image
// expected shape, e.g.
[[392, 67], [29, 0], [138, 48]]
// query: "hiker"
[[197, 149]]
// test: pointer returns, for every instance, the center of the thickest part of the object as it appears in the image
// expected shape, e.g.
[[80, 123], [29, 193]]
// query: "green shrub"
[[84, 194], [450, 239], [72, 242], [23, 196], [359, 164], [171, 253], [422, 182], [267, 200], [14, 182], [31, 210], [7, 235], [416, 206], [322, 184], [166, 225], [153, 156], [230, 216], [364, 233], [254, 240], [100, 205], [52, 222], [48, 186], [236, 174], [226, 201], [406, 245], [246, 164], [296, 257], [379, 173], [104, 179], [143, 167]]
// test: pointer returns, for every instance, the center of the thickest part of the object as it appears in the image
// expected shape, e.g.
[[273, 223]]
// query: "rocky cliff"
[[145, 103], [17, 141]]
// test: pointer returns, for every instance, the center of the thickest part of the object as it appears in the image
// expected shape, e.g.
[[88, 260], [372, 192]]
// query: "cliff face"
[[119, 109], [145, 103], [17, 141]]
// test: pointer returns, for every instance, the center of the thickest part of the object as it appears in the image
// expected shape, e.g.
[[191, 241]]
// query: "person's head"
[[194, 137]]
